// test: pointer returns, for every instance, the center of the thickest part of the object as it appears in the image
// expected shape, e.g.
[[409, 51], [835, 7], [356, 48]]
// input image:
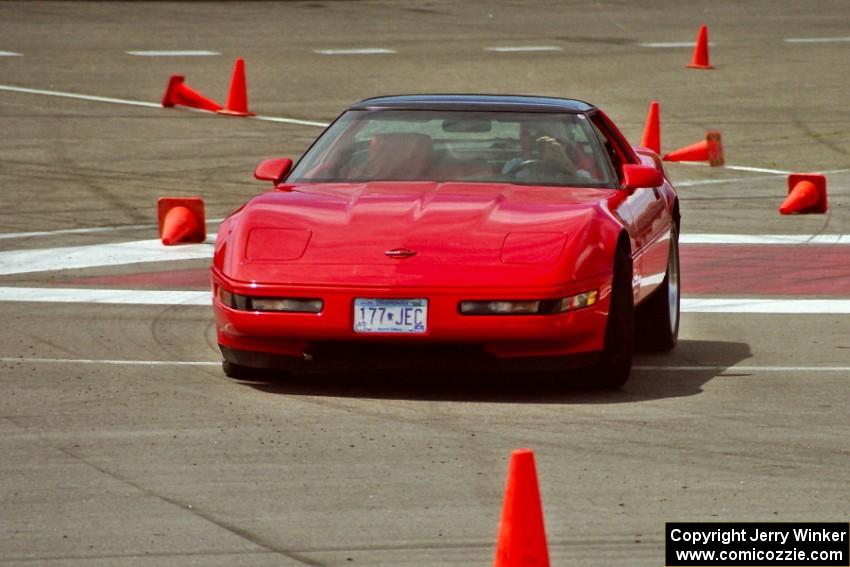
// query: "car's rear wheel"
[[615, 365], [658, 316]]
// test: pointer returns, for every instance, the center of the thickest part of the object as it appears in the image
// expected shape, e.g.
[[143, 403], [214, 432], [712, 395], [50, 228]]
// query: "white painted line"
[[672, 44], [669, 44], [738, 369], [93, 255], [702, 182], [108, 362], [178, 53], [824, 239], [817, 39], [206, 363], [784, 306], [105, 296], [12, 88], [524, 48], [110, 100], [290, 121], [355, 51], [9, 54], [90, 230], [756, 169], [94, 230], [738, 167]]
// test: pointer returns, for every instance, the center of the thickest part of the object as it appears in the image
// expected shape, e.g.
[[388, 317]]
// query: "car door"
[[644, 213]]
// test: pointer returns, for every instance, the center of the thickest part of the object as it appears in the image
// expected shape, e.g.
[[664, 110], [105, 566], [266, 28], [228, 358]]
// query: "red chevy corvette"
[[454, 230]]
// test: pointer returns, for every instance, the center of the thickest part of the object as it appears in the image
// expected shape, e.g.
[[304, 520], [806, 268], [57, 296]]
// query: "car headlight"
[[284, 304], [529, 307], [500, 307]]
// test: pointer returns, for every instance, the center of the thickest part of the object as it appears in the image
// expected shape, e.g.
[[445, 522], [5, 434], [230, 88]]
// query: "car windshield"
[[448, 145]]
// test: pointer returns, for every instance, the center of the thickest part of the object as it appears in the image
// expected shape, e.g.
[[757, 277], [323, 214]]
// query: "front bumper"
[[303, 335], [443, 359]]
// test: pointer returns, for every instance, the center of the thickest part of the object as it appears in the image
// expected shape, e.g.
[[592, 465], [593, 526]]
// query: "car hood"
[[409, 233]]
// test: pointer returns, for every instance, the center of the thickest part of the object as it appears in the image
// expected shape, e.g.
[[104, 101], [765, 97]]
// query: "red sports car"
[[454, 230]]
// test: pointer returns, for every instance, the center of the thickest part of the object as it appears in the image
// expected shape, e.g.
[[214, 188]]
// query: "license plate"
[[390, 315]]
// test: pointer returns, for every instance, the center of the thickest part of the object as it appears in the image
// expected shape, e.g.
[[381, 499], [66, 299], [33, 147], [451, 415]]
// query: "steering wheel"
[[544, 166]]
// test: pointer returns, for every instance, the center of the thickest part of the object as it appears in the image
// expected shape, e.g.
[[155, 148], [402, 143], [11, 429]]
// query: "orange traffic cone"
[[806, 194], [710, 150], [178, 93], [522, 539], [237, 98], [652, 131], [700, 58], [181, 220]]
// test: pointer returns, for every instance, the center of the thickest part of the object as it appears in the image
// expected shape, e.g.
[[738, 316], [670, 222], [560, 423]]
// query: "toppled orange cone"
[[181, 220], [652, 130], [237, 98], [522, 538], [177, 93], [806, 194], [700, 57], [710, 150]]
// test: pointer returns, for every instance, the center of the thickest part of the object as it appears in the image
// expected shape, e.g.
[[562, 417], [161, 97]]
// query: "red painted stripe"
[[196, 278], [707, 269]]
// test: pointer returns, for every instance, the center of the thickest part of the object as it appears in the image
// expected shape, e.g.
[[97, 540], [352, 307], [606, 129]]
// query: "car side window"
[[615, 159]]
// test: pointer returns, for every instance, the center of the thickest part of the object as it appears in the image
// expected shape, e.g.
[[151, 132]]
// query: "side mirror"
[[635, 176], [274, 170]]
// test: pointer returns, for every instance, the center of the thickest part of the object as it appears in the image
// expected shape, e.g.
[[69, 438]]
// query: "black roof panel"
[[517, 103]]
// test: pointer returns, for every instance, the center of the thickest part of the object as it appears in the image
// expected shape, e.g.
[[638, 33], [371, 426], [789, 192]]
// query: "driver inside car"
[[547, 162]]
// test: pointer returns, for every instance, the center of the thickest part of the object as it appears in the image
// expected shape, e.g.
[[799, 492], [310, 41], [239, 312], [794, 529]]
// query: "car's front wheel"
[[614, 367]]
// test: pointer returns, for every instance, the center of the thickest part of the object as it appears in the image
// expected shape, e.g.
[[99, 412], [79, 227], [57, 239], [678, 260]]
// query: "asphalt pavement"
[[122, 442]]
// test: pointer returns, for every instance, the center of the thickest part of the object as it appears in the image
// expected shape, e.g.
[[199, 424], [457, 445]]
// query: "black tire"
[[615, 365], [239, 372], [658, 317]]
